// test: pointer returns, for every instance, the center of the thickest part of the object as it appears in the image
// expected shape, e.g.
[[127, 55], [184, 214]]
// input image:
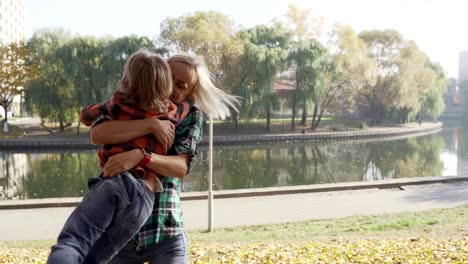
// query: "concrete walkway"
[[30, 224], [31, 126]]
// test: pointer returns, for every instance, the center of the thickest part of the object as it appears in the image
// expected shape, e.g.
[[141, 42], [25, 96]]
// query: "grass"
[[435, 236], [438, 222], [14, 132], [452, 221]]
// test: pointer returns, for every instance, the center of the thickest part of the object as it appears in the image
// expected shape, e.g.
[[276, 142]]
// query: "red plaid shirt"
[[117, 108]]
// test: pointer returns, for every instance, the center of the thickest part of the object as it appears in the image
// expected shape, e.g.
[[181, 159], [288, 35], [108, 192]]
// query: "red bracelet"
[[146, 159]]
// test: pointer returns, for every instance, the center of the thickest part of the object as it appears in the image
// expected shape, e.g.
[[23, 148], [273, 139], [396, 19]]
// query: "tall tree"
[[210, 34], [414, 78], [267, 47], [376, 97], [15, 71], [303, 56], [307, 58], [432, 99], [344, 71], [51, 92]]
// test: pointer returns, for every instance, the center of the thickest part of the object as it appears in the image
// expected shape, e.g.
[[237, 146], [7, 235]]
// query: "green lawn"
[[435, 236], [14, 132]]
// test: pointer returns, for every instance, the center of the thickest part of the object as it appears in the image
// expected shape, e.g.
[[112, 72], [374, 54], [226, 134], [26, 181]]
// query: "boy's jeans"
[[170, 251], [110, 214]]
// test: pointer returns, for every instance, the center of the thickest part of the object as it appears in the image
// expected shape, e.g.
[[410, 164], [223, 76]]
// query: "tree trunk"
[[304, 113], [235, 119], [5, 118], [78, 126], [314, 117], [293, 118], [61, 122], [317, 123], [268, 112]]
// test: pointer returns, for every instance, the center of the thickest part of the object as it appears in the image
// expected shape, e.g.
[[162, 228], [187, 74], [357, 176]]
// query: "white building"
[[12, 23], [12, 29]]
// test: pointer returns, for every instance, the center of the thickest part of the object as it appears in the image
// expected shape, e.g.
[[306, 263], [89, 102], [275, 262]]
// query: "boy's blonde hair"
[[147, 80], [209, 98]]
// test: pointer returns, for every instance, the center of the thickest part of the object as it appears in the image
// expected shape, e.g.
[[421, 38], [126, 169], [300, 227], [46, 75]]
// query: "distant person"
[[115, 209]]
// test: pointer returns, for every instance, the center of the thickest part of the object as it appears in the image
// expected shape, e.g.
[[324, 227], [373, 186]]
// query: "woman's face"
[[184, 81]]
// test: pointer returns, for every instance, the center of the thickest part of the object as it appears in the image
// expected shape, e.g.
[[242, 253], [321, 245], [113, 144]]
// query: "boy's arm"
[[92, 113], [185, 146]]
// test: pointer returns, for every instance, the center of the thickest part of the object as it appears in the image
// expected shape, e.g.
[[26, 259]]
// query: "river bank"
[[36, 137]]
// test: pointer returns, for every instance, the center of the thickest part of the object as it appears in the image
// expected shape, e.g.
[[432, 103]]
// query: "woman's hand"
[[122, 162], [164, 132]]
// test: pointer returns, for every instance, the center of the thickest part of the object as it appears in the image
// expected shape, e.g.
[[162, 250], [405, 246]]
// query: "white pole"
[[210, 178]]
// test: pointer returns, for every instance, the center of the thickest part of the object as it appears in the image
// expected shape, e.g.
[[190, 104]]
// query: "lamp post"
[[210, 178]]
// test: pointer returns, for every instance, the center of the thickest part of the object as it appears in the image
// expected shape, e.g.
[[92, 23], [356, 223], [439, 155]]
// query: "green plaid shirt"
[[165, 221]]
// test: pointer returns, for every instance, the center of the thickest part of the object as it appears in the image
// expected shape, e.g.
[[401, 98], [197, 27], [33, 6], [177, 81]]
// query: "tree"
[[344, 71], [76, 71], [15, 71], [433, 97], [96, 65], [413, 80], [307, 58], [375, 97], [304, 56], [266, 48], [51, 93], [210, 34]]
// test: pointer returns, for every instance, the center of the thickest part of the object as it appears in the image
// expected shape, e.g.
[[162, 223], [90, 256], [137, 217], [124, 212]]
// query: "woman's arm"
[[117, 131], [173, 165]]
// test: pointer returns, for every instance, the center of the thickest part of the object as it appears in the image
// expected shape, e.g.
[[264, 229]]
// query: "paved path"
[[30, 224], [31, 126]]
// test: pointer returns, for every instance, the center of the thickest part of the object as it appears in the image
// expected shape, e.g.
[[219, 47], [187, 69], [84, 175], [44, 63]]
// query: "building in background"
[[12, 23], [463, 68], [12, 29]]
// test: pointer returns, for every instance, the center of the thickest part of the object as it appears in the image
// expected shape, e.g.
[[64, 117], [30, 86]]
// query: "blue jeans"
[[171, 251], [110, 214]]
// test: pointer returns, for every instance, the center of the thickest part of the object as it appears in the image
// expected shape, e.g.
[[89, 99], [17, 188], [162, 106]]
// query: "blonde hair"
[[209, 98], [147, 80]]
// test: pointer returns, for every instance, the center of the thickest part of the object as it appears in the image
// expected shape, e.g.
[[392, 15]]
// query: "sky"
[[437, 26]]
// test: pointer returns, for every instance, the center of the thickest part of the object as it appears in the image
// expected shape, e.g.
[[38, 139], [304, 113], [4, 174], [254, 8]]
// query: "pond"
[[50, 174]]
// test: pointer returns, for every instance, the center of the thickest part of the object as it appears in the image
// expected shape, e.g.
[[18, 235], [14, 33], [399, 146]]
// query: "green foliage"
[[75, 71], [51, 93], [405, 83], [266, 49], [307, 58], [209, 34], [376, 74]]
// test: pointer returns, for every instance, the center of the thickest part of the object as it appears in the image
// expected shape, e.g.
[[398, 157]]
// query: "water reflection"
[[46, 175], [64, 174], [311, 162]]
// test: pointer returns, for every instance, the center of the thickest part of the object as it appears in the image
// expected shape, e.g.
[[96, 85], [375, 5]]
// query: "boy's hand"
[[122, 162], [164, 132]]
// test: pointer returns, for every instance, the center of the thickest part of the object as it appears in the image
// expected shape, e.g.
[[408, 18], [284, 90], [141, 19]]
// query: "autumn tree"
[[15, 71]]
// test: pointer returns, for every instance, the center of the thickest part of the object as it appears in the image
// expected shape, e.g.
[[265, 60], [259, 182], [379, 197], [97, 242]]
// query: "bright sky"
[[437, 26]]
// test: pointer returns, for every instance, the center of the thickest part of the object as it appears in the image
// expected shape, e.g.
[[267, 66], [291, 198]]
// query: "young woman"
[[115, 209], [162, 239]]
